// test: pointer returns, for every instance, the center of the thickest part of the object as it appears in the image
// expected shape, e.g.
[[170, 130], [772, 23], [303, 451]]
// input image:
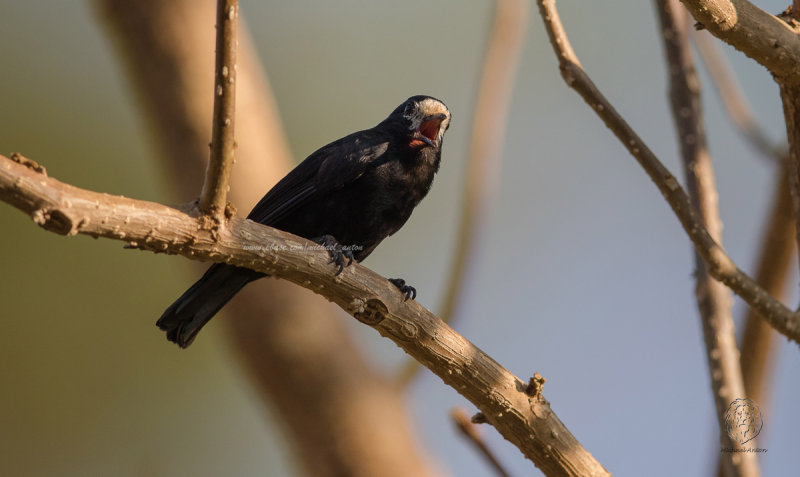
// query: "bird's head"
[[424, 119]]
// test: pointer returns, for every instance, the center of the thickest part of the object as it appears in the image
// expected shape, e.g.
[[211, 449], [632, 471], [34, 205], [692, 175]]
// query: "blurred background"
[[582, 273]]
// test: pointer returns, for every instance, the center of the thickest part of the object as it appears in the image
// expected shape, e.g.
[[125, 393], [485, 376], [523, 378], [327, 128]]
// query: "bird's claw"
[[342, 258], [407, 290], [339, 255]]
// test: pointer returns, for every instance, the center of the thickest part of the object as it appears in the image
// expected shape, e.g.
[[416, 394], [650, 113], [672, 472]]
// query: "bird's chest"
[[400, 187], [372, 207]]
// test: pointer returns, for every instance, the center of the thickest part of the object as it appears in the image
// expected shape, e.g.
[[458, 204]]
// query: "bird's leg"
[[339, 255], [407, 290]]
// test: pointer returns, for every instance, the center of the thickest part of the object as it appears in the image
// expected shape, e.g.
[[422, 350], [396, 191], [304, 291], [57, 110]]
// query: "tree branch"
[[790, 96], [526, 421], [486, 147], [713, 298], [470, 432], [720, 265], [758, 339], [777, 243], [763, 37], [213, 198], [777, 248], [775, 44]]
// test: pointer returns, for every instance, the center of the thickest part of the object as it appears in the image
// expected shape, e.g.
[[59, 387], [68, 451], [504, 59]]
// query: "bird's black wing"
[[327, 169]]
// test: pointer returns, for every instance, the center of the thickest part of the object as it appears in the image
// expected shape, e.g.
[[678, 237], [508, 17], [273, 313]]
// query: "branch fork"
[[720, 265]]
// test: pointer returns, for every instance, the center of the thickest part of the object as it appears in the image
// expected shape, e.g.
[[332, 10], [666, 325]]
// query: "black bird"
[[347, 196]]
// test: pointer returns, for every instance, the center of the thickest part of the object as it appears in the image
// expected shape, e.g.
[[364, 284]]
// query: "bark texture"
[[713, 298]]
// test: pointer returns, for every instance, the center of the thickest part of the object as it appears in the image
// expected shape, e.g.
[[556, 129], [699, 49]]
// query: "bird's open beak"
[[432, 117], [421, 138], [429, 128]]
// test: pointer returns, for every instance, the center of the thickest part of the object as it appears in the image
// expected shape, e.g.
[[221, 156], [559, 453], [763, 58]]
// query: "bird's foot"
[[339, 255], [407, 290]]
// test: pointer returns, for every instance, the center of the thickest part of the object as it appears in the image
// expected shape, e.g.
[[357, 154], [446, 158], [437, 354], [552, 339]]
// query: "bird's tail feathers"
[[184, 318]]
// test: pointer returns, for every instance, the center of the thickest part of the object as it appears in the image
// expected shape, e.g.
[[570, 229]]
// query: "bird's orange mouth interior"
[[430, 128]]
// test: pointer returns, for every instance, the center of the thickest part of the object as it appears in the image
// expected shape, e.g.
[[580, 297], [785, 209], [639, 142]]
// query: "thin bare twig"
[[470, 432], [775, 255], [713, 298], [526, 421], [213, 198], [730, 93], [774, 43], [486, 147], [777, 244], [720, 265], [790, 97]]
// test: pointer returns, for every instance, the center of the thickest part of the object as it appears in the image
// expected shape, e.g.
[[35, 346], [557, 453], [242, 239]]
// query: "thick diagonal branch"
[[761, 36], [713, 298], [720, 265], [213, 198], [527, 421]]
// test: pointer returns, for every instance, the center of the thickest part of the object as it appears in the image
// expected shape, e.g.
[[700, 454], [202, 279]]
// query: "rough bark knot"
[[370, 312]]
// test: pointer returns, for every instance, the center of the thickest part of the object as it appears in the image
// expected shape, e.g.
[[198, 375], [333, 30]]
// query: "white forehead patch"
[[428, 107]]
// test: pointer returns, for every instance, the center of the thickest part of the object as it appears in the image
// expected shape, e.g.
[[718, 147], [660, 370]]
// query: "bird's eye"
[[408, 109]]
